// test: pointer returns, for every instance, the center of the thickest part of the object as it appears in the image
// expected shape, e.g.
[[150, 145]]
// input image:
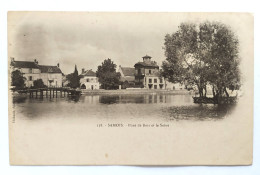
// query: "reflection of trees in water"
[[199, 112], [143, 98], [19, 99], [74, 98], [109, 99]]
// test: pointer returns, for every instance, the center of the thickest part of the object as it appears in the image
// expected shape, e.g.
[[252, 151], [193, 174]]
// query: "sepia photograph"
[[139, 88]]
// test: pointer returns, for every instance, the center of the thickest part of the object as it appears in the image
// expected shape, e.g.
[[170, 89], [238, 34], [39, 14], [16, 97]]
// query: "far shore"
[[135, 91], [128, 92]]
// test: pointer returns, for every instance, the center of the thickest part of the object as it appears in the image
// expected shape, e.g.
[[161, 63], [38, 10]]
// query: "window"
[[87, 80], [150, 71], [155, 80], [30, 70], [30, 78], [139, 71], [150, 80], [161, 80], [155, 86]]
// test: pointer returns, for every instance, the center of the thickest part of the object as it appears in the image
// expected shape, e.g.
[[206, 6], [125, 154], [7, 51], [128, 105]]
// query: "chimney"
[[12, 61], [35, 61], [83, 70], [58, 65]]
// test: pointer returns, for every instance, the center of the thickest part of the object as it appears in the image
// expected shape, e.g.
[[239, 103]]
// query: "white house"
[[174, 86], [31, 70], [51, 75], [89, 80]]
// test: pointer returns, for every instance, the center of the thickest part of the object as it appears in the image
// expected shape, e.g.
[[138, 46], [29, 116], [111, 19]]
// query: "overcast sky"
[[86, 39]]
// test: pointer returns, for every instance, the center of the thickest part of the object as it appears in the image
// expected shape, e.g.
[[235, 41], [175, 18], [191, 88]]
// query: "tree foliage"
[[73, 79], [17, 79], [107, 75], [201, 55], [38, 84]]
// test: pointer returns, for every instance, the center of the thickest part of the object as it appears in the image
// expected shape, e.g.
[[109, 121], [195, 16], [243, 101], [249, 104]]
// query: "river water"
[[161, 107]]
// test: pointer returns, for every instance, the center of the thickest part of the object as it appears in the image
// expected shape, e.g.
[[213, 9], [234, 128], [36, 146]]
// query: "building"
[[174, 86], [51, 75], [127, 74], [31, 70], [89, 80], [147, 74]]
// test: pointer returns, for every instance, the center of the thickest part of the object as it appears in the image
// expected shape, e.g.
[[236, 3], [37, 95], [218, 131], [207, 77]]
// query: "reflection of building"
[[50, 75], [89, 80], [147, 74]]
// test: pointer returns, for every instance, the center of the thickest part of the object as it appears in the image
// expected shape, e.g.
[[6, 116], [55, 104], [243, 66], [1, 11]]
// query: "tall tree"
[[107, 75], [74, 79], [201, 55], [17, 79], [221, 48]]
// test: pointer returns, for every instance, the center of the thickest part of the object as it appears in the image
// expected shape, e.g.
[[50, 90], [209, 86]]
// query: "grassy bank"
[[134, 91]]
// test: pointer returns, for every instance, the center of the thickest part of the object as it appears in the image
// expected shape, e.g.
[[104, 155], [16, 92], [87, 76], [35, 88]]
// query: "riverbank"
[[135, 91]]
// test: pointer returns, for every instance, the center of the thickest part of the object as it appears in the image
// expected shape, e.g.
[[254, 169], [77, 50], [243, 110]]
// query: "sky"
[[86, 39]]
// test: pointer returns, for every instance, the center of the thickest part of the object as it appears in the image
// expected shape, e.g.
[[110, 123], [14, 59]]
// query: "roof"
[[148, 64], [88, 73], [128, 71], [25, 64], [49, 69], [146, 56]]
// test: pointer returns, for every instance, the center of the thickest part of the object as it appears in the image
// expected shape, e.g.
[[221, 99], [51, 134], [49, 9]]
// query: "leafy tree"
[[201, 55], [74, 79], [38, 84], [107, 75], [17, 79], [221, 49]]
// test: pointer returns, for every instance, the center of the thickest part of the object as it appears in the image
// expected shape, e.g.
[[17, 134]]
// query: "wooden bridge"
[[51, 92]]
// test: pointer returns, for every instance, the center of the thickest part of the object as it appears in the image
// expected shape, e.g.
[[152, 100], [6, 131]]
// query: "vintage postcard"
[[104, 88]]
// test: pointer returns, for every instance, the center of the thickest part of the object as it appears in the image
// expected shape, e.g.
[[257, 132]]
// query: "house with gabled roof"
[[51, 75], [31, 70], [89, 80], [127, 74], [147, 74]]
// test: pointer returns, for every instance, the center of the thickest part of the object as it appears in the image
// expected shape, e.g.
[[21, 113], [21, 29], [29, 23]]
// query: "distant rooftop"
[[88, 73], [24, 64], [34, 65], [49, 69], [128, 71], [146, 56], [152, 64]]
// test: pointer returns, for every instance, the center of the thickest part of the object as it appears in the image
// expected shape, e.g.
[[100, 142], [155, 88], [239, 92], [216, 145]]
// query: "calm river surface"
[[161, 107]]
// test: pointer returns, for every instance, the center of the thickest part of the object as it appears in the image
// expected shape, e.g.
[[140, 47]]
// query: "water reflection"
[[144, 99], [19, 99], [160, 106], [74, 98], [199, 112]]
